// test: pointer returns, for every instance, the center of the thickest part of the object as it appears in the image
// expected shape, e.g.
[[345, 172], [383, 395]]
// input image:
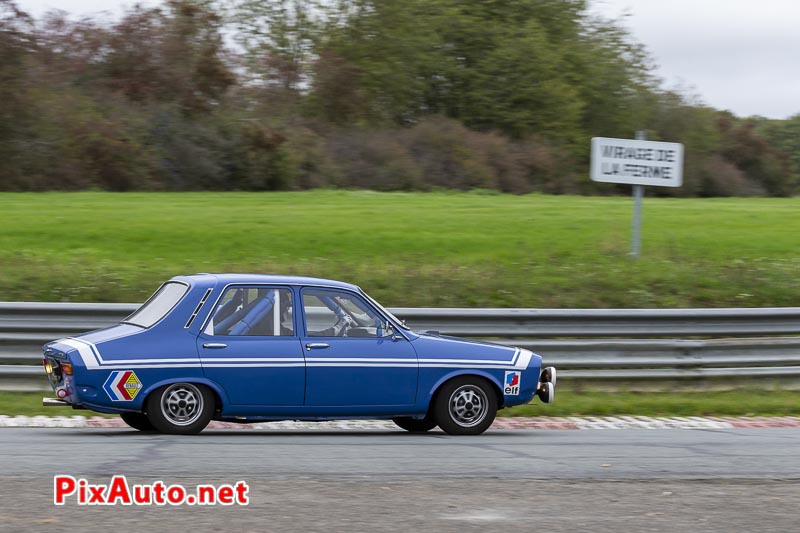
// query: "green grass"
[[407, 249], [742, 402], [420, 249]]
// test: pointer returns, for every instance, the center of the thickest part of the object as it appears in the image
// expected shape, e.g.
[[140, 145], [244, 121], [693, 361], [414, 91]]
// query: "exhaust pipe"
[[54, 402], [548, 375], [546, 392]]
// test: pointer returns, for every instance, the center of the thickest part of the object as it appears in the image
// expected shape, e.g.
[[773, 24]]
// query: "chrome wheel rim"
[[468, 406], [182, 404]]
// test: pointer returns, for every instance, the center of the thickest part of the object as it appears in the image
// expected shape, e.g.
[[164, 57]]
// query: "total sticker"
[[511, 381], [122, 385]]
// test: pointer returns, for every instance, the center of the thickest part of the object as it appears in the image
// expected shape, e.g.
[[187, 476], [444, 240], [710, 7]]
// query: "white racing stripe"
[[123, 366], [92, 360], [253, 360], [252, 365], [85, 351], [524, 359]]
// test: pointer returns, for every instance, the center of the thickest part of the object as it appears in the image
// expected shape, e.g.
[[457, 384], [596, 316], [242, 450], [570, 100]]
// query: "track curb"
[[504, 423]]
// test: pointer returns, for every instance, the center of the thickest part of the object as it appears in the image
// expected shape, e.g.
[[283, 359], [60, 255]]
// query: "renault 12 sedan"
[[246, 348]]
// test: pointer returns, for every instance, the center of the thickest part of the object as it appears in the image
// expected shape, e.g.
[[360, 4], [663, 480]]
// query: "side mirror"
[[387, 331]]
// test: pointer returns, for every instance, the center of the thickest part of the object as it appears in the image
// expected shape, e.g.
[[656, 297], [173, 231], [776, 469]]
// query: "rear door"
[[250, 346], [350, 361]]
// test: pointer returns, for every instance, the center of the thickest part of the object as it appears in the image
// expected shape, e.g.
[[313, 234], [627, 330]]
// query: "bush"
[[435, 153], [722, 178], [373, 160]]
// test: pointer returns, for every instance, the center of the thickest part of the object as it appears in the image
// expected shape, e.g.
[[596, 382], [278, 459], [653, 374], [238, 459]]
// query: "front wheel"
[[466, 405], [415, 425], [180, 408], [137, 421]]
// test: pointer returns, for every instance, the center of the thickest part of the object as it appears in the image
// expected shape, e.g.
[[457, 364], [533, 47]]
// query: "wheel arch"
[[219, 393], [486, 376]]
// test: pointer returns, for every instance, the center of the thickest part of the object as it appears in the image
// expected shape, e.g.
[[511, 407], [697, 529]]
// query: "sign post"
[[638, 196], [637, 162]]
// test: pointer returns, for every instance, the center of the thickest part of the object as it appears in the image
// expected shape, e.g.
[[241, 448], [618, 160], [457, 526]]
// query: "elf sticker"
[[511, 383], [122, 385]]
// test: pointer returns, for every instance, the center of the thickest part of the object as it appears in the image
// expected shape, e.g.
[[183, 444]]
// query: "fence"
[[585, 344]]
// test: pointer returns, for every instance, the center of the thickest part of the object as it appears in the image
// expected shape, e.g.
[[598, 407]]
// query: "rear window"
[[158, 305]]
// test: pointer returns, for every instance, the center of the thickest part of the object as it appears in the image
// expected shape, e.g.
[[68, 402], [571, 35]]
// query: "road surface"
[[588, 480]]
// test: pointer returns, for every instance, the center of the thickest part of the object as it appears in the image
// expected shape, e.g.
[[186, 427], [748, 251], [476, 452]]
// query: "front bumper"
[[546, 391]]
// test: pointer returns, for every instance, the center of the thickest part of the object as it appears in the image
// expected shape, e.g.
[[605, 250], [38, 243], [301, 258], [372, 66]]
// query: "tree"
[[16, 47], [784, 135], [177, 55], [527, 67]]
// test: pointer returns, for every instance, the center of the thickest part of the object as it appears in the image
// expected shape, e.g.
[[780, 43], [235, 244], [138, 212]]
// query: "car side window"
[[253, 311], [331, 313]]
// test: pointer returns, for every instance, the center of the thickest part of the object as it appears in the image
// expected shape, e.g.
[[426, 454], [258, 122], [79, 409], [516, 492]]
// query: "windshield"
[[399, 322], [158, 305]]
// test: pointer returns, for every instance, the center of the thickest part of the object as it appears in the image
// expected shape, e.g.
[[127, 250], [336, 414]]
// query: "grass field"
[[420, 249], [568, 403]]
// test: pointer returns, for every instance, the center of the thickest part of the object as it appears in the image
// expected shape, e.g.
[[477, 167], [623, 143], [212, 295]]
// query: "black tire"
[[137, 421], [466, 405], [180, 408], [415, 425]]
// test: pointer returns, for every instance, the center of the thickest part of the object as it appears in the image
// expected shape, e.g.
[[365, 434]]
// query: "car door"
[[351, 358], [250, 348]]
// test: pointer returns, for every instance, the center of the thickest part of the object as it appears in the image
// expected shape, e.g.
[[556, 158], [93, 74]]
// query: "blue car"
[[247, 348]]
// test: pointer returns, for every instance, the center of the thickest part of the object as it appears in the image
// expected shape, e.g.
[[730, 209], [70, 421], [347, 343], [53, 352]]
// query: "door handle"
[[317, 345], [215, 345]]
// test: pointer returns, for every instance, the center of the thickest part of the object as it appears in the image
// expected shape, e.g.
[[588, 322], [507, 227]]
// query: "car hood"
[[437, 347]]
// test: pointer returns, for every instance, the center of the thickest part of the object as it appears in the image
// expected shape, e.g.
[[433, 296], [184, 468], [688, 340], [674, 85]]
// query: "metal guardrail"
[[605, 322], [574, 340]]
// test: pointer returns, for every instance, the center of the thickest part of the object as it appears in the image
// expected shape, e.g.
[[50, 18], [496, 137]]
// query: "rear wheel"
[[415, 425], [137, 421], [180, 408], [466, 405]]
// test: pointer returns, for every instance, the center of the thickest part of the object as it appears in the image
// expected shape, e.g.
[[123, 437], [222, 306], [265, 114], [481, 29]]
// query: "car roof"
[[227, 278]]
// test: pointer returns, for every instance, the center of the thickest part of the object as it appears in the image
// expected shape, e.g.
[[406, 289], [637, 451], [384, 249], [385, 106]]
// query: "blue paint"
[[369, 373]]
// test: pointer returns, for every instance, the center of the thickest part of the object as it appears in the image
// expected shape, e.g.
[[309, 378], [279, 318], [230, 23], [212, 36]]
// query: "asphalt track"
[[515, 480]]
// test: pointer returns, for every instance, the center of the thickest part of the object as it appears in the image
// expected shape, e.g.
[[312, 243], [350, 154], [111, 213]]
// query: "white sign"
[[637, 162]]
